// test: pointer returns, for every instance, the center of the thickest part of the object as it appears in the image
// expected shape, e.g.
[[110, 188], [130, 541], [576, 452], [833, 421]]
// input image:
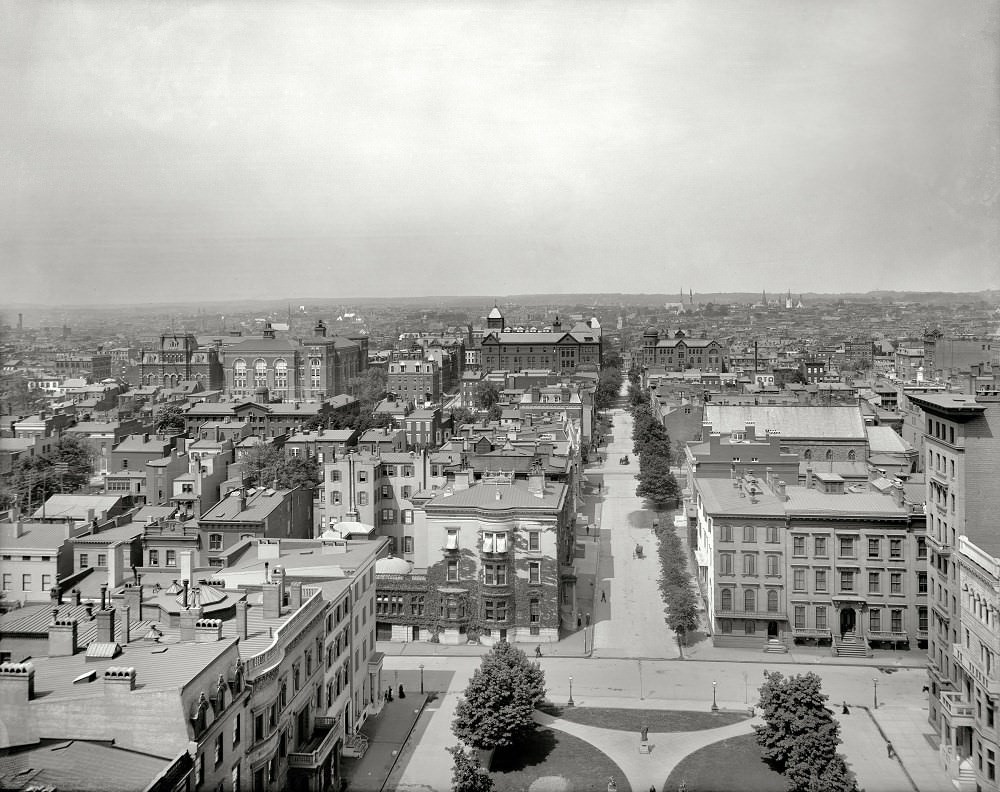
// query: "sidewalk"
[[906, 727], [387, 732]]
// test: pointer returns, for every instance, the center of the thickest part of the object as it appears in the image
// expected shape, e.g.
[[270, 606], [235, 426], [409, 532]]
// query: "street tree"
[[799, 736], [656, 482], [169, 418], [487, 394], [467, 772], [637, 395], [496, 709], [609, 384]]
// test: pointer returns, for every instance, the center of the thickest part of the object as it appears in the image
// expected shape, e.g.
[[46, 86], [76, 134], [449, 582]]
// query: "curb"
[[888, 741], [406, 739]]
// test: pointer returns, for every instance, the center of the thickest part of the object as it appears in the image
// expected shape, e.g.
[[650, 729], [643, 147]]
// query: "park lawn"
[[567, 763], [657, 720], [732, 765]]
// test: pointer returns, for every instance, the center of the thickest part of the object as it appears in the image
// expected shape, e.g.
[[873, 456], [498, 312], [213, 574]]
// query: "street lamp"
[[570, 702], [875, 684], [715, 706], [421, 679]]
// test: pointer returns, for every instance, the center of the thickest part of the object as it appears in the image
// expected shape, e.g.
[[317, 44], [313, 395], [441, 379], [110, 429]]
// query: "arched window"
[[726, 600], [772, 601], [749, 600], [239, 373], [260, 373], [851, 456], [314, 369], [808, 455], [280, 374]]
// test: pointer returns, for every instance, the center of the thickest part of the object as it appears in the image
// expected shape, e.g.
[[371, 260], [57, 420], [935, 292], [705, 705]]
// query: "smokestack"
[[104, 596], [241, 620]]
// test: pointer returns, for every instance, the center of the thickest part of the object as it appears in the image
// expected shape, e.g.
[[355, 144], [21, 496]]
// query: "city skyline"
[[152, 152]]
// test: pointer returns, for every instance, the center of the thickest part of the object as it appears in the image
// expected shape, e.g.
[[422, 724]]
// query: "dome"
[[651, 331], [393, 565]]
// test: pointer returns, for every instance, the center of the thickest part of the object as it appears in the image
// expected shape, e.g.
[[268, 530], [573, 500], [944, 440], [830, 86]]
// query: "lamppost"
[[570, 702], [875, 684], [421, 679], [715, 706]]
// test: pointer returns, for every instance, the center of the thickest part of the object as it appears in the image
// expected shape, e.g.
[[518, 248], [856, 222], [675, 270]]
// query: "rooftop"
[[77, 506], [79, 765], [498, 497], [257, 506], [788, 420], [41, 535]]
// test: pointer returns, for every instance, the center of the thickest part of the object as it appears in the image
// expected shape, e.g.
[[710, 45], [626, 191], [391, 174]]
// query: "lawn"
[[732, 765], [634, 719], [552, 761]]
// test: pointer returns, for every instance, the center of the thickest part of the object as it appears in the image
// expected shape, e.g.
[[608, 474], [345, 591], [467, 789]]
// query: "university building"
[[509, 349]]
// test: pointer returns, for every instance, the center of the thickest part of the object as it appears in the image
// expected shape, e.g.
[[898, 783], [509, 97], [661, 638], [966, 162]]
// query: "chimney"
[[126, 625], [769, 476], [810, 479], [75, 596], [90, 611], [295, 594], [536, 483], [90, 516], [184, 601], [133, 599], [208, 630], [105, 626], [17, 684], [18, 529], [116, 564], [55, 594], [243, 500], [897, 493], [779, 490], [241, 620], [118, 679], [186, 564], [62, 637], [274, 594], [104, 596], [189, 618]]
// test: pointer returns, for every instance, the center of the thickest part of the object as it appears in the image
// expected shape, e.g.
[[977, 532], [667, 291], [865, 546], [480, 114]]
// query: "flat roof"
[[79, 765]]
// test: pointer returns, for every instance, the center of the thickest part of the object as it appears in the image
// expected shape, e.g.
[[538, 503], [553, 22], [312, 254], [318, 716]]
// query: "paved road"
[[631, 623]]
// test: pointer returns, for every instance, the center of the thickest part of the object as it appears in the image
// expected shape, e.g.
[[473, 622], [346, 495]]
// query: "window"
[[874, 582], [819, 544], [749, 600], [798, 545], [725, 563], [772, 601], [895, 548], [388, 516], [451, 540], [749, 533], [407, 544], [799, 580], [533, 541], [452, 571], [875, 620], [386, 491], [495, 574], [335, 497], [362, 499], [772, 565], [726, 599], [820, 580], [407, 516], [239, 373], [847, 547], [102, 559], [534, 611], [749, 627], [896, 583], [171, 558], [258, 727], [534, 572], [846, 580], [362, 476], [821, 617], [749, 564], [25, 582], [800, 616], [406, 491], [236, 729], [84, 559], [897, 620], [218, 750], [922, 619], [725, 533], [874, 548], [772, 534], [921, 582], [46, 582], [494, 542], [215, 541], [335, 475], [259, 373]]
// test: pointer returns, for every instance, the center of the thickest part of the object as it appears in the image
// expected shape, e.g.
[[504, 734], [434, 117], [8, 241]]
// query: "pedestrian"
[[588, 529], [538, 651], [603, 596], [890, 750], [588, 619], [645, 733], [402, 695], [845, 710], [579, 620]]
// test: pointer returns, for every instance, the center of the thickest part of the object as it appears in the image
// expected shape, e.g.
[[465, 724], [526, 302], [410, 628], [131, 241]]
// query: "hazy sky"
[[164, 150]]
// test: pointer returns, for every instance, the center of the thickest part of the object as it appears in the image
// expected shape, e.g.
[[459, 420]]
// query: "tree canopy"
[[799, 737], [609, 385], [467, 772], [656, 482], [169, 418], [66, 468], [497, 706], [266, 464], [487, 394], [462, 415]]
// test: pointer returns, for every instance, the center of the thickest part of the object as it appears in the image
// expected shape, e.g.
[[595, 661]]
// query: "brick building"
[[179, 357], [418, 381], [561, 350]]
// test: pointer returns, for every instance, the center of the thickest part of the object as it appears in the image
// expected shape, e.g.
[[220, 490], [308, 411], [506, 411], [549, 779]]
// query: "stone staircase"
[[775, 646], [355, 745], [850, 645]]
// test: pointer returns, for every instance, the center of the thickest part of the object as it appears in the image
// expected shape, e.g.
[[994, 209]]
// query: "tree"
[[169, 418], [799, 737], [76, 458], [656, 482], [637, 395], [497, 706], [495, 413], [609, 385], [462, 415], [468, 773], [66, 468], [369, 387], [487, 394], [266, 464]]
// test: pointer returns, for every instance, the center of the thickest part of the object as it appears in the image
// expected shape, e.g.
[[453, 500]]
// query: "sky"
[[162, 151]]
